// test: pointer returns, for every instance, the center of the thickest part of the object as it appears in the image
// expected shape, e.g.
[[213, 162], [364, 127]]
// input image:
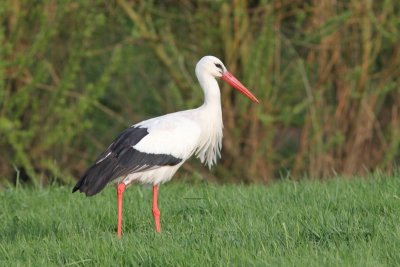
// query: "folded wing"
[[159, 142]]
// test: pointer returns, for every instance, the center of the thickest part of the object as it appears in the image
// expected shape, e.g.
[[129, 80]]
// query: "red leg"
[[120, 191], [156, 211]]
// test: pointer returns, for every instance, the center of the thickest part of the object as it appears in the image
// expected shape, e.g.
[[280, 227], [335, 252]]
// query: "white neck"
[[210, 119], [212, 93]]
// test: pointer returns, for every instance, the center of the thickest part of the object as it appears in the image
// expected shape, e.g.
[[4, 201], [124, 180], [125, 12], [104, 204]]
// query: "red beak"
[[235, 83]]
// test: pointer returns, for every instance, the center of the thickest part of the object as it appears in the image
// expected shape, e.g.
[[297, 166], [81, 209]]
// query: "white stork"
[[152, 151]]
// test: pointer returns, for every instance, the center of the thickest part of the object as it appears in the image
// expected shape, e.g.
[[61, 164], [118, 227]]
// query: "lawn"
[[340, 222]]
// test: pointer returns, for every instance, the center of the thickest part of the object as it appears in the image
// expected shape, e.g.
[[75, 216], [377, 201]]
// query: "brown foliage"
[[326, 73]]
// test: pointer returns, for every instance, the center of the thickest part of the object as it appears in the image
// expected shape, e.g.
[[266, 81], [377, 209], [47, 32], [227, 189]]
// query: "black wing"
[[121, 159]]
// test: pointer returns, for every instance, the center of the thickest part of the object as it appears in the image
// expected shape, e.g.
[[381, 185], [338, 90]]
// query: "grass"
[[335, 223]]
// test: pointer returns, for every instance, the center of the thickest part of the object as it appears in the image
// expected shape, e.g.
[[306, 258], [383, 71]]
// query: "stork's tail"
[[96, 177]]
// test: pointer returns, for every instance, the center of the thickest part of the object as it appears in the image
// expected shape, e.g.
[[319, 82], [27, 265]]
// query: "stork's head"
[[211, 65], [214, 67]]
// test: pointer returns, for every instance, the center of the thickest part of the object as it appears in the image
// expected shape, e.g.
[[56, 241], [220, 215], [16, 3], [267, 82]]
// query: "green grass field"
[[336, 223]]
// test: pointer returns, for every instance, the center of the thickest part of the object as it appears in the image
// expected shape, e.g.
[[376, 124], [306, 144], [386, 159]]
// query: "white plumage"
[[181, 134]]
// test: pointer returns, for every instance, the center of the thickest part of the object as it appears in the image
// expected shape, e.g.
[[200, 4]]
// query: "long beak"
[[235, 83]]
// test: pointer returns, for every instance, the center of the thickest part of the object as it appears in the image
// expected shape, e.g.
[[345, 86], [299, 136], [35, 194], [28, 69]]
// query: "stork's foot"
[[156, 215]]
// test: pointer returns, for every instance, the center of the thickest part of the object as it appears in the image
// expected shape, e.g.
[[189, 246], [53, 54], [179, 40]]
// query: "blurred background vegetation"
[[75, 73]]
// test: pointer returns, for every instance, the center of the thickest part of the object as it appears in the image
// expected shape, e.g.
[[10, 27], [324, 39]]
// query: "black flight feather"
[[121, 159]]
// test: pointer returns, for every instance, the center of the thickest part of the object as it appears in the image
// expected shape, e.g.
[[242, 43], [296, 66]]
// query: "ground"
[[341, 222]]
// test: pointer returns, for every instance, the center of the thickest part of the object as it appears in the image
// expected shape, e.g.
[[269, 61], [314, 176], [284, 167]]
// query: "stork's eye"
[[219, 66]]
